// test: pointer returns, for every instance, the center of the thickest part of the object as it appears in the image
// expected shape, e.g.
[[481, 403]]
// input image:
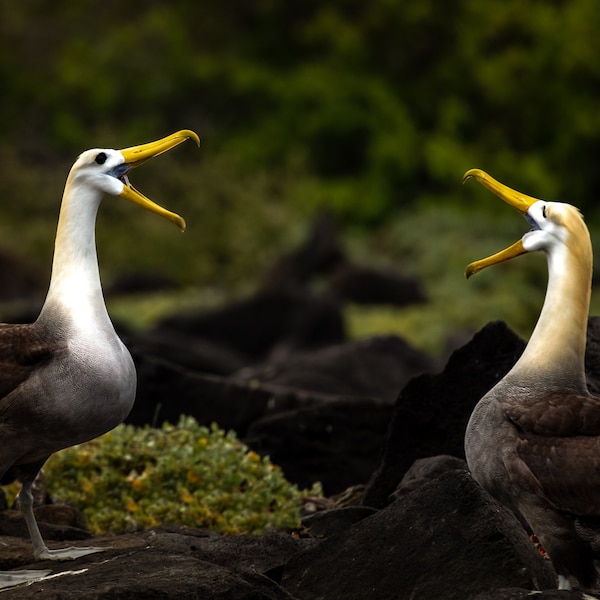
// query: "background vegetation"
[[138, 478], [370, 110]]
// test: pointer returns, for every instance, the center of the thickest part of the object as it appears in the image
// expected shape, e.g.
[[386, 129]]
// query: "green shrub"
[[134, 478]]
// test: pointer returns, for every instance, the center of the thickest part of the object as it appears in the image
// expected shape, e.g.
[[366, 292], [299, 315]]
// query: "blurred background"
[[367, 113]]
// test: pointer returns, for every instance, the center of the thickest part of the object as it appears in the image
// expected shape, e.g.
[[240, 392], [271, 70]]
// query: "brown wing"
[[23, 348], [568, 470], [559, 441], [557, 414]]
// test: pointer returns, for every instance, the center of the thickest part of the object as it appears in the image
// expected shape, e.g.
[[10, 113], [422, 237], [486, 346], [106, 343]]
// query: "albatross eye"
[[544, 211], [101, 158]]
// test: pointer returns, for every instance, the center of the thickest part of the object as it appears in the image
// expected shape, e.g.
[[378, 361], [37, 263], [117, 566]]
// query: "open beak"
[[517, 200], [136, 155]]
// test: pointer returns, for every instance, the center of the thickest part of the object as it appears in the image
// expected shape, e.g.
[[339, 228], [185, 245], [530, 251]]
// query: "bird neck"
[[75, 293], [556, 350]]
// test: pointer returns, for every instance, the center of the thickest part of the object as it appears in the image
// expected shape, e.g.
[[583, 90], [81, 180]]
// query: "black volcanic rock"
[[592, 355], [326, 523], [337, 442], [176, 563], [185, 350], [166, 391], [365, 285], [378, 367], [522, 594], [318, 255], [424, 470], [432, 411], [448, 539], [265, 322]]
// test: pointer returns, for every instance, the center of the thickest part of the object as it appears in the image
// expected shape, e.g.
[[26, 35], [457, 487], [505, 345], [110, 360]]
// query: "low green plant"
[[135, 478]]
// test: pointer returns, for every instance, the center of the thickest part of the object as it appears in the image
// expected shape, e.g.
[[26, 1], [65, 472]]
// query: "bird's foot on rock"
[[12, 578], [68, 553]]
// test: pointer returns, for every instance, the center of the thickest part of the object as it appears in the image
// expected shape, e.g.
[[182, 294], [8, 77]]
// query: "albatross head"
[[554, 225], [107, 170]]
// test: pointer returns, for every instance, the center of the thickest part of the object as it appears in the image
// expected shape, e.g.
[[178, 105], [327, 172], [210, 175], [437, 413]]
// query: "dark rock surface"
[[322, 255], [376, 367], [448, 539], [185, 350], [167, 390], [168, 563], [592, 355], [268, 322], [321, 416], [337, 443], [522, 594], [329, 522], [319, 255], [431, 413], [424, 470], [370, 286]]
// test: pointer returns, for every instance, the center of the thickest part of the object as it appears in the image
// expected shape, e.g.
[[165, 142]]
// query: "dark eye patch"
[[544, 211], [101, 158]]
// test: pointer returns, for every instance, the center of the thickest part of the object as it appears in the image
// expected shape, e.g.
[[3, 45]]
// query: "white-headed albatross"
[[533, 441], [67, 377]]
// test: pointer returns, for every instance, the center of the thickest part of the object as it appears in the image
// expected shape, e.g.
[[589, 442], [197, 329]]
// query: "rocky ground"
[[378, 423]]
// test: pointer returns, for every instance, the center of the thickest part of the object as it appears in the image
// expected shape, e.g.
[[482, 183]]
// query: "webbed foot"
[[68, 553], [11, 578]]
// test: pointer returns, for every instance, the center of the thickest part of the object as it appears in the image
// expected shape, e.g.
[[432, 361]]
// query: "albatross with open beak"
[[533, 441], [67, 377]]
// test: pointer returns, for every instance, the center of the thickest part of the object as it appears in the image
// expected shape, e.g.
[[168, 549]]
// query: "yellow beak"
[[517, 200], [136, 155]]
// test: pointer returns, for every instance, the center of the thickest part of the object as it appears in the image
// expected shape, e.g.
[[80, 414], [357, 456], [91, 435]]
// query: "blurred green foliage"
[[372, 111], [137, 478], [512, 291], [399, 98]]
